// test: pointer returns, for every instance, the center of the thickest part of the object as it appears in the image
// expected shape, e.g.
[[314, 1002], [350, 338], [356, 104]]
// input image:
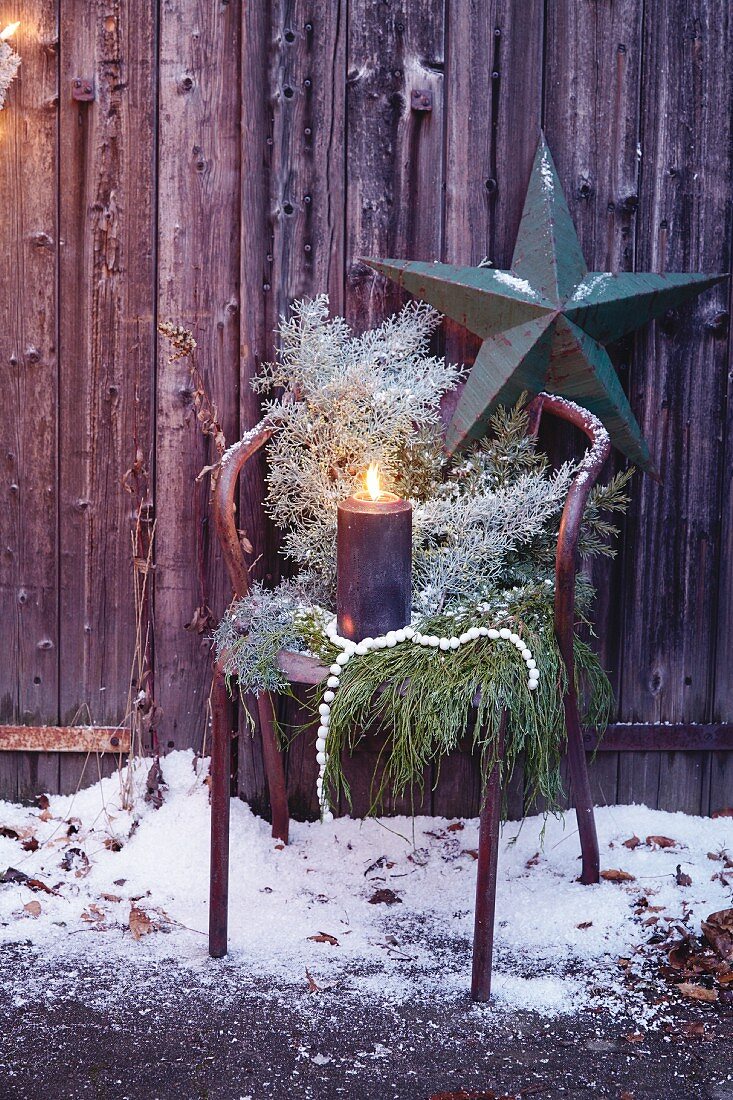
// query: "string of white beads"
[[392, 638]]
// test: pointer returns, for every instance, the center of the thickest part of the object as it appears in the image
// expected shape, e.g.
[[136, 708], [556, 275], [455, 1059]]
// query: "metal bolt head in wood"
[[373, 565]]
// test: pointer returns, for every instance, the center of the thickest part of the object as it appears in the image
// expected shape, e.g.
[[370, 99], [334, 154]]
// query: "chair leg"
[[488, 856], [591, 862], [274, 769], [220, 798]]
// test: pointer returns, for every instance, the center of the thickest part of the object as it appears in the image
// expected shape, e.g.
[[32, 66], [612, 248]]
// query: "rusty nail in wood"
[[421, 100], [82, 89]]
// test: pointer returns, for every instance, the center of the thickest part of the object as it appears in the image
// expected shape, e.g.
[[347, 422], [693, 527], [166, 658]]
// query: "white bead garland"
[[389, 640]]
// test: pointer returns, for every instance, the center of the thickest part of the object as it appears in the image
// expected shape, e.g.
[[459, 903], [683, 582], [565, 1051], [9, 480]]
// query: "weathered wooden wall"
[[239, 154]]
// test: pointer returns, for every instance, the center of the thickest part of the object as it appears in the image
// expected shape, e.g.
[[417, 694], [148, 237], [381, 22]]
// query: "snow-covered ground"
[[305, 913]]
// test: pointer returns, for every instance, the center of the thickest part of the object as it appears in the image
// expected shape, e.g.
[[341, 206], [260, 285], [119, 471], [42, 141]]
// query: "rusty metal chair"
[[302, 670]]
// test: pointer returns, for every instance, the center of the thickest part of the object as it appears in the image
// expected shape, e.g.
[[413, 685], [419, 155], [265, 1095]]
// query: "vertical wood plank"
[[293, 79], [721, 764], [364, 770], [301, 767], [638, 778], [394, 164], [106, 345], [721, 782], [593, 64], [394, 184], [198, 287], [306, 194], [493, 101], [29, 378], [255, 260], [678, 381], [106, 342]]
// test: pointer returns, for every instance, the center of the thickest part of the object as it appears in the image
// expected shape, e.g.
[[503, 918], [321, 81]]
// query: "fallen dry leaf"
[[718, 931], [456, 827], [378, 863], [13, 875], [660, 842], [385, 896], [634, 1037], [697, 992], [45, 815], [694, 1030], [112, 844], [727, 812], [111, 897], [140, 923], [154, 784], [324, 937], [681, 878], [42, 801], [632, 842], [533, 860], [615, 875], [93, 914], [313, 985], [464, 1094], [77, 861], [585, 924], [33, 908], [472, 852], [30, 845]]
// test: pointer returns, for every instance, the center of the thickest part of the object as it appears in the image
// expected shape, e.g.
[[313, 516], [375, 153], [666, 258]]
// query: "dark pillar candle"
[[373, 565]]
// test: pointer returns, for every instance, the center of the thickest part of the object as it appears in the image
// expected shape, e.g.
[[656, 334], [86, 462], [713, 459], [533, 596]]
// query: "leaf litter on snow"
[[397, 898]]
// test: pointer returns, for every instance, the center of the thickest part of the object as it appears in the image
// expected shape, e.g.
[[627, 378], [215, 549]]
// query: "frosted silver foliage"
[[484, 523], [348, 401], [9, 64], [469, 543]]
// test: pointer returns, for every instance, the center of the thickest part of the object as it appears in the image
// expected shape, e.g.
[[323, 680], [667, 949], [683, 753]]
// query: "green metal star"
[[544, 322]]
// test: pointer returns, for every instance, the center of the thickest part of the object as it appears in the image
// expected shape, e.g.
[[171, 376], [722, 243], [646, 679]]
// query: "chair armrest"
[[566, 558], [231, 466]]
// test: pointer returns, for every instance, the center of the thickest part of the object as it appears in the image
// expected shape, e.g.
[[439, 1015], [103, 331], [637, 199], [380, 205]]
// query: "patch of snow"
[[244, 442], [557, 942], [592, 282], [513, 281], [548, 178]]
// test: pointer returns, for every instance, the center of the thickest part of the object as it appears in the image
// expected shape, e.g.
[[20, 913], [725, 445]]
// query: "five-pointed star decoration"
[[544, 322]]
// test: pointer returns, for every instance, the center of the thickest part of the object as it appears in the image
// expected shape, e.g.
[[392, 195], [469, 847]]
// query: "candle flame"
[[372, 481], [9, 31]]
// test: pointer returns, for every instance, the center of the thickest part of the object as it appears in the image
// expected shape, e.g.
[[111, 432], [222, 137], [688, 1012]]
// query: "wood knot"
[[586, 189], [718, 323]]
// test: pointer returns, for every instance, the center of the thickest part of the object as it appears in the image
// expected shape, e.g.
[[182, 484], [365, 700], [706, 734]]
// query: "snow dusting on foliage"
[[379, 909]]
